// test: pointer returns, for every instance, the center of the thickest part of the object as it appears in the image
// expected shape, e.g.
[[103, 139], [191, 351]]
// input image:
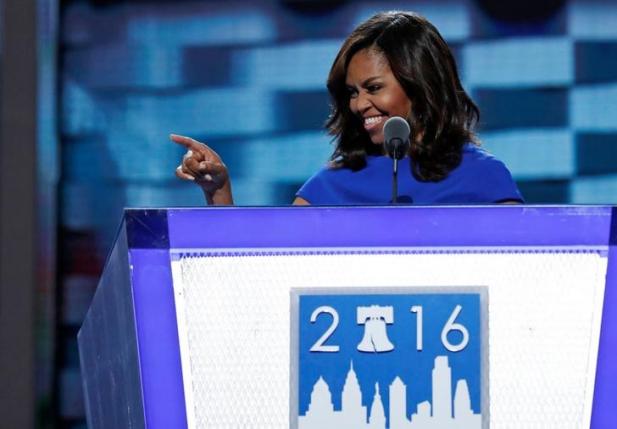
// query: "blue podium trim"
[[157, 337], [232, 227], [604, 413], [613, 231]]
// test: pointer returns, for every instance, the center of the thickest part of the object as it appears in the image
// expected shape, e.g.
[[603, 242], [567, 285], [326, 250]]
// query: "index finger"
[[187, 142]]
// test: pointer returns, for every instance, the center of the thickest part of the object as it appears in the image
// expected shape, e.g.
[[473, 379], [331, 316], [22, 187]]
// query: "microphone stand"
[[395, 181], [396, 133], [396, 145]]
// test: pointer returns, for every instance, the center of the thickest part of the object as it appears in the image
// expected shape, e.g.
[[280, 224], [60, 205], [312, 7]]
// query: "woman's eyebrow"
[[370, 80], [366, 82]]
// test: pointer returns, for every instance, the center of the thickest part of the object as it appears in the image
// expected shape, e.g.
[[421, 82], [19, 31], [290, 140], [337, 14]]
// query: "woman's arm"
[[205, 167]]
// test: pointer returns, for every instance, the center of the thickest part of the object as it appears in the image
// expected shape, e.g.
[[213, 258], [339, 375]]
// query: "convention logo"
[[409, 359]]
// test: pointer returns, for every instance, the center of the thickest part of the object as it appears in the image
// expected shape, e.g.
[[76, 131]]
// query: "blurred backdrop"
[[248, 78]]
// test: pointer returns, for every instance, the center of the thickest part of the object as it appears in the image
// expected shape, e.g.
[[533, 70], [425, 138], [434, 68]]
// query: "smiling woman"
[[374, 93], [393, 64]]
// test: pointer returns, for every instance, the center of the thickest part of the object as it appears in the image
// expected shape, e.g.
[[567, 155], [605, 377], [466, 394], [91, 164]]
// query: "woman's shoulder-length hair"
[[442, 116]]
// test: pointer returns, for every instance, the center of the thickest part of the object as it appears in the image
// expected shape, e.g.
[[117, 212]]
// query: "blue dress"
[[479, 179]]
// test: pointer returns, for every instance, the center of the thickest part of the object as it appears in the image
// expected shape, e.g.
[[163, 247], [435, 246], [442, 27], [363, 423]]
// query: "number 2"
[[319, 344]]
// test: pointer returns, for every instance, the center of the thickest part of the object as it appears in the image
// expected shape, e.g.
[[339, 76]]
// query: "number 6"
[[451, 326]]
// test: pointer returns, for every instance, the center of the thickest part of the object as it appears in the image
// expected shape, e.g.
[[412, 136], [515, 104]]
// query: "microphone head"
[[396, 132]]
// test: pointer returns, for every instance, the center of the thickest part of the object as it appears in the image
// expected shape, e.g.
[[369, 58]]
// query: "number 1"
[[419, 341]]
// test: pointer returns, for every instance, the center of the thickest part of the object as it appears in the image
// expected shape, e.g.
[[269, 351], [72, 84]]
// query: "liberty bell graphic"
[[374, 319]]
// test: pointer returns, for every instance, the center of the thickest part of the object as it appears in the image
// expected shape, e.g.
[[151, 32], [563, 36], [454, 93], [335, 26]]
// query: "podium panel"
[[257, 317]]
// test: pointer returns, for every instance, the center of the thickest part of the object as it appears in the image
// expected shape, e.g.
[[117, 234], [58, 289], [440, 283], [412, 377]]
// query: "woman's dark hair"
[[442, 112]]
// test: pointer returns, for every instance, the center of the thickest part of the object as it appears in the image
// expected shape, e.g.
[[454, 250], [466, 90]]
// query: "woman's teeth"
[[372, 120]]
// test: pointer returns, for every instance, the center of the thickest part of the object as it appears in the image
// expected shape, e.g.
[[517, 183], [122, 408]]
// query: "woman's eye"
[[373, 88], [352, 93]]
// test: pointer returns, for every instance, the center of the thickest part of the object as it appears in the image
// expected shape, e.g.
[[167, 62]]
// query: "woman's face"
[[374, 93]]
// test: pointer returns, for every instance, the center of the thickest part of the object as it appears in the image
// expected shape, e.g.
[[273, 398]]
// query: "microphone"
[[396, 137], [396, 132]]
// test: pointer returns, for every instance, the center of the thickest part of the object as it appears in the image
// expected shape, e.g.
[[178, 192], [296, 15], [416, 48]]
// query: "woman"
[[394, 64]]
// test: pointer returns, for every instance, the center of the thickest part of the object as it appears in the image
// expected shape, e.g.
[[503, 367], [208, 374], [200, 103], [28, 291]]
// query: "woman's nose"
[[363, 102]]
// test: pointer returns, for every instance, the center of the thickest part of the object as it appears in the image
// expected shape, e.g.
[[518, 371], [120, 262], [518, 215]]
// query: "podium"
[[198, 319]]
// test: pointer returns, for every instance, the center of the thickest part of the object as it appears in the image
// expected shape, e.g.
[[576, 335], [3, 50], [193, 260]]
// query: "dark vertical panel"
[[18, 130], [504, 108], [46, 212], [543, 191], [596, 153], [596, 62]]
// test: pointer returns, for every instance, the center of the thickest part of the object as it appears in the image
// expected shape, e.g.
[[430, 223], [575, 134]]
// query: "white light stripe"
[[519, 62], [296, 66], [592, 20], [594, 190], [594, 108], [534, 153]]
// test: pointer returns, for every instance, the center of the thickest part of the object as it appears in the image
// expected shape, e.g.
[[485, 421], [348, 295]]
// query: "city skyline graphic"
[[443, 411]]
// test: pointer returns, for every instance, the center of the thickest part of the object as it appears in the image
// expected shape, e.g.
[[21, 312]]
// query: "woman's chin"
[[377, 139]]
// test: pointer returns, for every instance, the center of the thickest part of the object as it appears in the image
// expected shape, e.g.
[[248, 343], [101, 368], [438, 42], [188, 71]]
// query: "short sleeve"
[[496, 183], [314, 190], [480, 179]]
